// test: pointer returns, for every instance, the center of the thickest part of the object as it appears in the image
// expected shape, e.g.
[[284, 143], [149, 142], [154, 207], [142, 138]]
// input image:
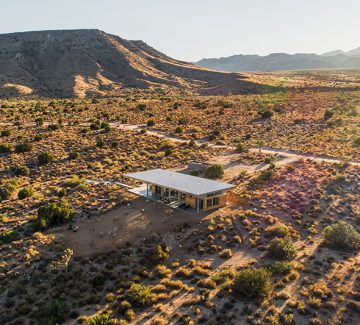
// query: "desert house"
[[181, 190]]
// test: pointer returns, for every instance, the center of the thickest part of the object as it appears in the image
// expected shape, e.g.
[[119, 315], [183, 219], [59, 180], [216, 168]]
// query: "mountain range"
[[281, 61], [92, 63]]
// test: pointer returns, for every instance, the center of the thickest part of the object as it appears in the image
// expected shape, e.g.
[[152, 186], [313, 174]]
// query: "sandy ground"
[[141, 220]]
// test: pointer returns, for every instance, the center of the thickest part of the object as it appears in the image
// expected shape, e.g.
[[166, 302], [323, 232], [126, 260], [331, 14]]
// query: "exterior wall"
[[191, 200], [222, 202]]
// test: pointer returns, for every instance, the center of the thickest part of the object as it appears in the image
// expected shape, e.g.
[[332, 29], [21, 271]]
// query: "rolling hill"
[[283, 61], [92, 63]]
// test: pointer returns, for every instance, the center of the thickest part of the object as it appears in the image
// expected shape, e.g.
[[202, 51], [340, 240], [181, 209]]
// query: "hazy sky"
[[194, 29]]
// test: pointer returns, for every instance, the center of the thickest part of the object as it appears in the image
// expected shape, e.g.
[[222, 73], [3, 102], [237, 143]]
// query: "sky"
[[194, 29]]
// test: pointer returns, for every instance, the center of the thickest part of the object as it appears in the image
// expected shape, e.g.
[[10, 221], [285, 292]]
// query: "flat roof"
[[180, 182]]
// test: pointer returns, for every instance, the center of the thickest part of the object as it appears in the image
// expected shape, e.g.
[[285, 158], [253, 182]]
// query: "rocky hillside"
[[85, 63]]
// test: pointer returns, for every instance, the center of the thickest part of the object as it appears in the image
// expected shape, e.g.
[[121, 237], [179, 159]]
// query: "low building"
[[184, 190]]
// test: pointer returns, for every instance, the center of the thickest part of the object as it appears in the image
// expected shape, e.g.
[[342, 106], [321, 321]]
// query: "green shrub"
[[140, 294], [342, 235], [5, 133], [45, 158], [53, 127], [277, 230], [100, 143], [5, 148], [241, 148], [54, 214], [357, 142], [7, 188], [23, 147], [39, 121], [266, 114], [150, 122], [7, 236], [282, 248], [102, 318], [161, 253], [252, 283], [21, 171], [179, 130], [25, 192], [283, 267], [74, 155], [328, 114], [214, 171], [98, 280], [53, 313]]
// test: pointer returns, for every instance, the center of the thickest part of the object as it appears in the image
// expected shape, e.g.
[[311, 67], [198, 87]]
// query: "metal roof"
[[180, 182]]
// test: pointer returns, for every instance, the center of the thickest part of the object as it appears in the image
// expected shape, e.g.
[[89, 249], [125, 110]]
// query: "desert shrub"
[[168, 151], [226, 253], [277, 230], [53, 214], [39, 121], [7, 188], [72, 182], [179, 130], [53, 313], [94, 126], [141, 107], [328, 114], [98, 280], [45, 158], [100, 143], [161, 253], [342, 235], [266, 114], [252, 283], [23, 147], [283, 267], [5, 148], [150, 122], [74, 155], [241, 148], [139, 294], [7, 236], [214, 171], [282, 248], [20, 171], [5, 133], [224, 276], [25, 192], [357, 142], [104, 317], [53, 127]]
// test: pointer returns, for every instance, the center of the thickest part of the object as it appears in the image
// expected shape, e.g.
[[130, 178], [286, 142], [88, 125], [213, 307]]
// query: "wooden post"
[[147, 190], [197, 205]]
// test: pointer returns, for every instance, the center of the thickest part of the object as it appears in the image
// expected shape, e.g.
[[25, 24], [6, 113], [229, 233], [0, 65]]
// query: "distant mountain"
[[333, 53], [282, 61], [81, 63]]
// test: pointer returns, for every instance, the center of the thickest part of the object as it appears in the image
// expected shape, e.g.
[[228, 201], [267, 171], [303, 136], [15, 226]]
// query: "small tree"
[[342, 235], [214, 171], [253, 283]]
